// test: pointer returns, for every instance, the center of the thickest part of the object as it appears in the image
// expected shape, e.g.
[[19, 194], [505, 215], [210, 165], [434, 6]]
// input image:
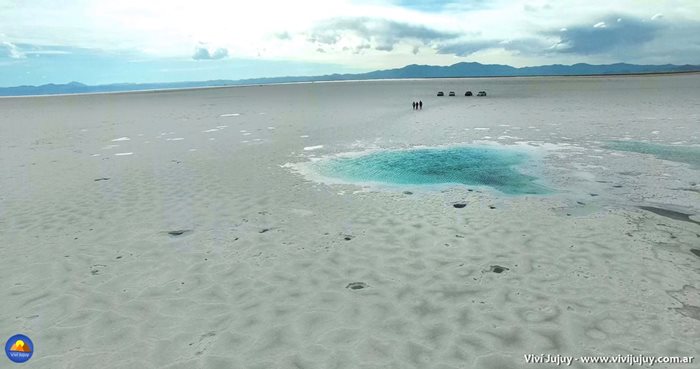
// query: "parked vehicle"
[[452, 93], [481, 93], [441, 93], [468, 93]]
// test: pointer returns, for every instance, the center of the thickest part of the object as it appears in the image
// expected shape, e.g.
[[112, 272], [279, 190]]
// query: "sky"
[[136, 41]]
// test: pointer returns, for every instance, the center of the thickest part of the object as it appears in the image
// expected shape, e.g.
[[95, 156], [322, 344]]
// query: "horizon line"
[[262, 84]]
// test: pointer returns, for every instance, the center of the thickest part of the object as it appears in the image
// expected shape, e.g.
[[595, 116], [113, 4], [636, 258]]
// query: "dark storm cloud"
[[202, 53], [382, 33], [604, 36]]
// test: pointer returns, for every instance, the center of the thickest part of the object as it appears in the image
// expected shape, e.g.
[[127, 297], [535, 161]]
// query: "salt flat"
[[175, 229]]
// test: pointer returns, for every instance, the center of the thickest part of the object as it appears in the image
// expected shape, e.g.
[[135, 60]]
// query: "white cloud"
[[599, 25], [11, 50]]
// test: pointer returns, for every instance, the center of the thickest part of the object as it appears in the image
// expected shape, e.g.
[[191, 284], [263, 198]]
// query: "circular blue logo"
[[19, 348]]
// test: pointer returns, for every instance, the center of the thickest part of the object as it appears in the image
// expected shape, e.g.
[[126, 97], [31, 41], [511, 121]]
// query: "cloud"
[[283, 35], [202, 53], [11, 50], [442, 5], [383, 34], [465, 48], [612, 34]]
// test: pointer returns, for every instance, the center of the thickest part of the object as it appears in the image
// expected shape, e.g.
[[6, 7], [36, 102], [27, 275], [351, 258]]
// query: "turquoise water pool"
[[477, 166], [683, 154]]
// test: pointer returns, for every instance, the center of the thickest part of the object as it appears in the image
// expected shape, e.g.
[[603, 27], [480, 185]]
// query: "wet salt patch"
[[230, 115], [192, 150], [243, 131], [211, 130], [270, 128], [83, 130], [504, 125], [108, 147], [212, 139], [311, 148], [531, 127], [174, 139], [304, 136], [486, 137], [509, 137], [96, 155], [121, 139], [247, 134], [261, 113], [221, 127], [655, 132], [678, 143], [257, 139], [124, 154], [245, 141], [481, 129]]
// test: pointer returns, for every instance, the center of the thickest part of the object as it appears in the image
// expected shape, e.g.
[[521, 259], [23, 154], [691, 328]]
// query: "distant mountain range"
[[409, 71]]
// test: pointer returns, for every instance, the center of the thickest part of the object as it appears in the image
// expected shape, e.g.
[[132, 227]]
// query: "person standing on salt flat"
[[420, 104]]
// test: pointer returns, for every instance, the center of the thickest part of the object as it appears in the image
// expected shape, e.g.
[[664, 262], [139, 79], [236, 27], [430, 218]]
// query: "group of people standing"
[[418, 105]]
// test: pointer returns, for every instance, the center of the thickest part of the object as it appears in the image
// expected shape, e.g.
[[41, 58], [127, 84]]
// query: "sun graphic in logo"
[[20, 346]]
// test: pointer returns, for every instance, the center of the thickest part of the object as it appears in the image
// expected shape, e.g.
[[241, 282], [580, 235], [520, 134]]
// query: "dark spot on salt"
[[696, 252], [470, 190], [179, 232], [408, 193], [264, 230], [594, 194], [459, 205], [498, 269], [580, 203], [357, 285], [102, 179], [491, 207], [119, 257], [348, 238], [617, 186]]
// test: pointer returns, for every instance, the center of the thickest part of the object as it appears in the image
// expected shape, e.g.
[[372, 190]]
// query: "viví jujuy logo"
[[19, 348]]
